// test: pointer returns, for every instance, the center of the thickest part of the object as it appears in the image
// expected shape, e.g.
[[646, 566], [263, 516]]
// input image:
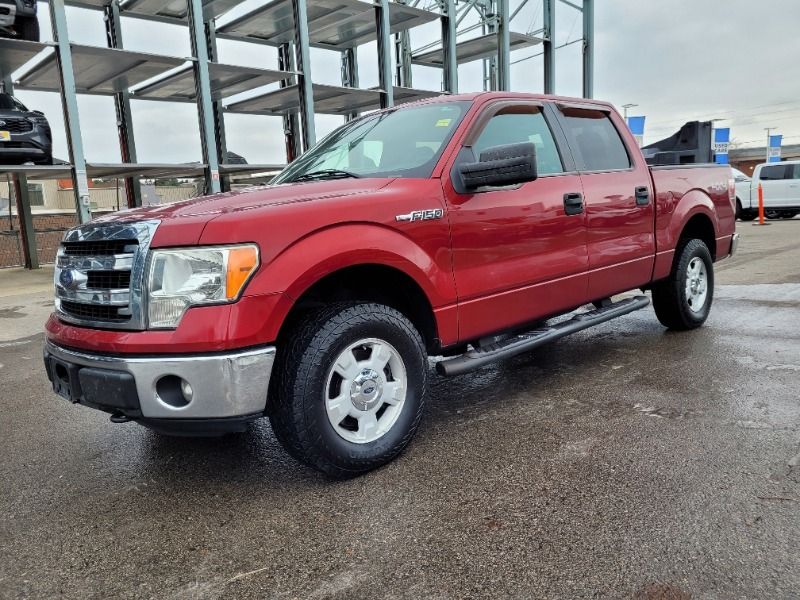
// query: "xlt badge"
[[422, 215]]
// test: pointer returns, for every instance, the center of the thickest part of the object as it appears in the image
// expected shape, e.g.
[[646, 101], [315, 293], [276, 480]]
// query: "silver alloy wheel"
[[696, 284], [365, 390]]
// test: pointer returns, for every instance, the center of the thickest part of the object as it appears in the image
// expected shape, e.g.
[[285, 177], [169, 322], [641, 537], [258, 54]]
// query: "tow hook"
[[119, 418]]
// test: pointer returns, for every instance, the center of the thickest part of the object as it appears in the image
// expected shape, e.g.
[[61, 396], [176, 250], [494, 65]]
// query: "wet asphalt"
[[621, 462]]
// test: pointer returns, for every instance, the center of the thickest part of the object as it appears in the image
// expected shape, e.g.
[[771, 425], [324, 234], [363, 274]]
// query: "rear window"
[[594, 140]]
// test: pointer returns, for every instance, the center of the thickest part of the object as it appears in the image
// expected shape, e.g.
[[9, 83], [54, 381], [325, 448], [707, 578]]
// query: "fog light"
[[186, 390], [174, 391]]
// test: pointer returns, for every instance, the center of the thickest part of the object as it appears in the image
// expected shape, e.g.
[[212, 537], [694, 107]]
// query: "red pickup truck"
[[453, 227]]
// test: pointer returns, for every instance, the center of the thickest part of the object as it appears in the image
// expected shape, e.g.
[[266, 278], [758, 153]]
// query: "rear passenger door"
[[793, 194], [618, 195]]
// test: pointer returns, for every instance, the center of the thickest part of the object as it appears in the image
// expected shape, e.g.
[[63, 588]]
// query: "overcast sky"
[[679, 60]]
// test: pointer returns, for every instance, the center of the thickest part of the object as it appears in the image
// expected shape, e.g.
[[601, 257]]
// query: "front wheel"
[[350, 388], [683, 300]]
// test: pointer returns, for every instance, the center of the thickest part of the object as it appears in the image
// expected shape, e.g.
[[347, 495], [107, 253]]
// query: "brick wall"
[[49, 229]]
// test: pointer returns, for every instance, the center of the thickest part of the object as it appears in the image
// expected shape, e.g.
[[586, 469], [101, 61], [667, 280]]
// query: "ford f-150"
[[456, 227]]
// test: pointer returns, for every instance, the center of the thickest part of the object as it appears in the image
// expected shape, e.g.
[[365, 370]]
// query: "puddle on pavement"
[[12, 312]]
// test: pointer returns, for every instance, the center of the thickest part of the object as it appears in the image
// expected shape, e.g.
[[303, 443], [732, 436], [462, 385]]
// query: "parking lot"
[[622, 462]]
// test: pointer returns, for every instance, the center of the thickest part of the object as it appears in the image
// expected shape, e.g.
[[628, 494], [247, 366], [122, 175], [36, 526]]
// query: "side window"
[[775, 172], [518, 124], [796, 174], [595, 141]]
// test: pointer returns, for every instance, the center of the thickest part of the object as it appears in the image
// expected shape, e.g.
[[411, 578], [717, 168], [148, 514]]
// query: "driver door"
[[517, 255]]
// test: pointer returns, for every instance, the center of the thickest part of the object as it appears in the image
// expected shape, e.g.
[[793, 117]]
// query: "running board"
[[478, 357]]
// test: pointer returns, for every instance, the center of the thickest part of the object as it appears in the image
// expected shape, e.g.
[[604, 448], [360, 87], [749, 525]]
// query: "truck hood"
[[182, 223]]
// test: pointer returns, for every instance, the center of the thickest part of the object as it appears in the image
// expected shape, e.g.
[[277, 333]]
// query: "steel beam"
[[503, 45], [303, 65], [291, 127], [219, 111], [69, 100], [350, 72], [205, 108], [449, 22], [122, 105], [549, 34], [26, 230], [384, 54], [588, 48]]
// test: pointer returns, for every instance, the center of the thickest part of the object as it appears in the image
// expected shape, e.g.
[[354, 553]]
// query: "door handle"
[[573, 203], [642, 196]]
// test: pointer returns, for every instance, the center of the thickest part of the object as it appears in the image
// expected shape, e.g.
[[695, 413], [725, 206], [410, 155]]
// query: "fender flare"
[[325, 251]]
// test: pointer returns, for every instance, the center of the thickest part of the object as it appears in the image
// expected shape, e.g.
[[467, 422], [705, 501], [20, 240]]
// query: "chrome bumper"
[[223, 385]]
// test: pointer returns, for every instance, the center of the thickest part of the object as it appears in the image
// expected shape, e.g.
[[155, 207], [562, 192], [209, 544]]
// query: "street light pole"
[[625, 108]]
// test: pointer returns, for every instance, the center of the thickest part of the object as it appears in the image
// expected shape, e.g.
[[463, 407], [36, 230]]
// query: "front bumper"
[[227, 385]]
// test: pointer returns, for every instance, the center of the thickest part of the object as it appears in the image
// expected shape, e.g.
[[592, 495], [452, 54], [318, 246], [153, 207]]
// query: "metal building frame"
[[313, 23]]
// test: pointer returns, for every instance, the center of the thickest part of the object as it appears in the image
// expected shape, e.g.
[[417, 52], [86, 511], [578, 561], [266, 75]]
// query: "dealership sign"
[[636, 125], [722, 141], [774, 149]]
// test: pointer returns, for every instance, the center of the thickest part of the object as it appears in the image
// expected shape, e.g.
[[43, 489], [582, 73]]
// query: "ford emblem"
[[67, 279]]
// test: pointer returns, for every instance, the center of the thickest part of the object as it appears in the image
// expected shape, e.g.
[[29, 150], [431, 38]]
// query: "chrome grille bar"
[[94, 261]]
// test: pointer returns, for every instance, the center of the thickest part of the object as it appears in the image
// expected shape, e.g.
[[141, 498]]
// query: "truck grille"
[[17, 126], [99, 275]]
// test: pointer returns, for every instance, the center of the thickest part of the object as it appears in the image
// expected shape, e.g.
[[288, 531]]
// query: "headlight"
[[187, 277]]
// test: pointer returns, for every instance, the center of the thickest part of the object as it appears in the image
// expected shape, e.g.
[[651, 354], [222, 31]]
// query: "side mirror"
[[509, 164]]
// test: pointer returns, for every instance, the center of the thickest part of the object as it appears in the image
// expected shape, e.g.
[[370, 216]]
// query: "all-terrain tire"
[[303, 367], [671, 299]]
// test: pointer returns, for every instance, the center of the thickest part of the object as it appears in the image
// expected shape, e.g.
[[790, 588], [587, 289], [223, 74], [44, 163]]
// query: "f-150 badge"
[[422, 215]]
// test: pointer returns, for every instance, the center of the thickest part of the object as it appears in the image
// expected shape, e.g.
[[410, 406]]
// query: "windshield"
[[405, 142]]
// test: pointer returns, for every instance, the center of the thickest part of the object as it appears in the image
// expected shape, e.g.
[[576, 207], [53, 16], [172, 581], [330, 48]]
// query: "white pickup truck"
[[781, 187]]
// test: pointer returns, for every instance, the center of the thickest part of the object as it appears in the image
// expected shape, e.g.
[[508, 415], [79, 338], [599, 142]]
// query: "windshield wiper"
[[326, 174]]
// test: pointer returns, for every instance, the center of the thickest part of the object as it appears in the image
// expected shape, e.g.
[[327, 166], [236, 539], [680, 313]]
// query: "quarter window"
[[519, 124], [594, 140]]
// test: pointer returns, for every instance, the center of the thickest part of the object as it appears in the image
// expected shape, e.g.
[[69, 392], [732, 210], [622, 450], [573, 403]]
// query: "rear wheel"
[[28, 28], [683, 300], [350, 389], [772, 214]]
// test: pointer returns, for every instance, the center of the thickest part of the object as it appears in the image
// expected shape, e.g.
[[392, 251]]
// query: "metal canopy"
[[243, 171], [328, 99], [177, 10], [148, 171], [38, 172], [15, 53], [477, 48], [99, 70], [226, 81], [337, 24]]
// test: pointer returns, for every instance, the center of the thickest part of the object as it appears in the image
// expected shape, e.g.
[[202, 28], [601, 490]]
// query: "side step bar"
[[478, 357]]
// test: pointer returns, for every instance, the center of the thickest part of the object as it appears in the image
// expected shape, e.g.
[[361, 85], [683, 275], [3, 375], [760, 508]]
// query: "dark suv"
[[18, 19], [24, 134]]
